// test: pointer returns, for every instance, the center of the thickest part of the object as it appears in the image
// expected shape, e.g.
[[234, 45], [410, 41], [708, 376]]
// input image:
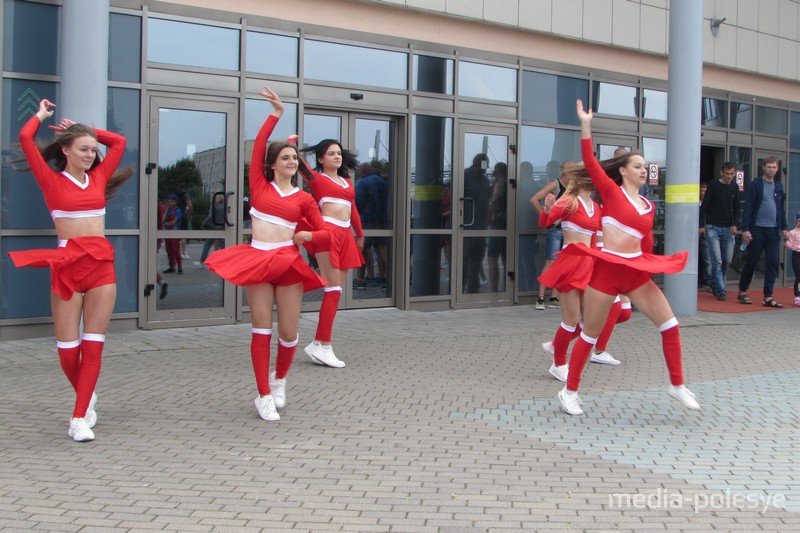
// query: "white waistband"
[[621, 254], [266, 246], [272, 218], [611, 221], [337, 222], [571, 226], [62, 243], [89, 213], [334, 200]]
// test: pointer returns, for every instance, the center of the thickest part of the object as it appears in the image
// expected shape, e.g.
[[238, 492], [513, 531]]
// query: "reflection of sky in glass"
[[372, 139], [182, 133], [197, 45], [655, 151], [447, 145], [655, 104], [355, 65], [271, 54], [317, 128], [494, 146], [256, 112], [487, 81], [613, 99], [540, 146]]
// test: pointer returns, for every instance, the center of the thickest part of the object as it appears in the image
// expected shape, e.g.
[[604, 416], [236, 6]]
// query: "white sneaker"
[[278, 389], [570, 403], [322, 355], [91, 414], [186, 256], [685, 396], [559, 372], [265, 406], [548, 348], [604, 358], [79, 430], [539, 303]]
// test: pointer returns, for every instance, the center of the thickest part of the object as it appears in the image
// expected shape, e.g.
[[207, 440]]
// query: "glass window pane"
[[742, 158], [532, 254], [373, 179], [374, 279], [771, 120], [30, 37], [19, 188], [794, 139], [26, 291], [551, 98], [715, 113], [430, 265], [487, 81], [124, 48], [793, 201], [611, 99], [654, 105], [741, 116], [431, 172], [655, 151], [542, 151], [123, 118], [433, 74], [126, 266], [196, 45], [355, 65], [271, 54]]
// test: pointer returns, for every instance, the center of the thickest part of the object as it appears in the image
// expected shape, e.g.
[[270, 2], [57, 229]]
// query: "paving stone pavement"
[[441, 421]]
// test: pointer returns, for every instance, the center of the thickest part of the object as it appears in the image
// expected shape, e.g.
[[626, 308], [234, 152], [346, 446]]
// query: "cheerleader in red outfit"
[[579, 216], [82, 267], [335, 194], [622, 267], [271, 268]]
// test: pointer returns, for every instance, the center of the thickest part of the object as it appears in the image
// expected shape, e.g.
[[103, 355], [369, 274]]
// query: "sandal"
[[769, 302], [744, 299]]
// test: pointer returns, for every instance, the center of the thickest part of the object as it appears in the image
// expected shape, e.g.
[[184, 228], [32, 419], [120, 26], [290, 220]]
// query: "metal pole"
[[683, 149]]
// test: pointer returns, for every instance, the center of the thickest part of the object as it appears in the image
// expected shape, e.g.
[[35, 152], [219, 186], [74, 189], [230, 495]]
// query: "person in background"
[[172, 220], [793, 244], [82, 274], [719, 214]]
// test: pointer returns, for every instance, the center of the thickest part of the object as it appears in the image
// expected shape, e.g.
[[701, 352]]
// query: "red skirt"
[[568, 272], [344, 252], [244, 265], [84, 263]]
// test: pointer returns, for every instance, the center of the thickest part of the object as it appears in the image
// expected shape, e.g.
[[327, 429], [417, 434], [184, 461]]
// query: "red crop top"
[[326, 189], [580, 221], [63, 194], [291, 207]]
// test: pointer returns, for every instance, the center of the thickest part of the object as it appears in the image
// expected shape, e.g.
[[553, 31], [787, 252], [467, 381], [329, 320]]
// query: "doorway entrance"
[[191, 209]]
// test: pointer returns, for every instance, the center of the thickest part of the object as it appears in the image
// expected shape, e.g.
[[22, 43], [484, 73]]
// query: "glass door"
[[192, 210], [373, 139], [486, 199]]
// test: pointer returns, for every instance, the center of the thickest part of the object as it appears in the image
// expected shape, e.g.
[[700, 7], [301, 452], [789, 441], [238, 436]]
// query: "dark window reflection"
[[655, 151], [741, 116], [26, 291], [123, 118], [196, 45], [715, 113], [532, 253], [771, 120], [374, 279], [654, 105], [487, 81], [551, 98], [30, 37], [612, 99], [19, 188], [430, 265], [271, 54], [355, 65], [433, 74], [124, 48], [794, 135], [431, 172], [126, 268]]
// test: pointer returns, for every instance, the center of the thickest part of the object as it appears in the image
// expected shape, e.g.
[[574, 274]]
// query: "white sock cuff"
[[571, 329], [68, 344], [617, 299], [95, 337], [260, 331], [289, 344], [671, 323], [626, 305], [590, 340], [334, 288]]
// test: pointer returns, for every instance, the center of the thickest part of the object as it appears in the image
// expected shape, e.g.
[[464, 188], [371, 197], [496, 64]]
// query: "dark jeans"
[[766, 240], [796, 268]]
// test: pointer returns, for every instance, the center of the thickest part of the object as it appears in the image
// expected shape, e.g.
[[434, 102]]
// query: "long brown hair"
[[610, 167], [53, 153], [577, 184], [273, 150]]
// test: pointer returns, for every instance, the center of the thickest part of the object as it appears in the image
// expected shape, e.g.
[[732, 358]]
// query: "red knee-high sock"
[[327, 313], [259, 354], [577, 361], [561, 342], [69, 355], [608, 328], [626, 313], [577, 332], [91, 361], [673, 353], [286, 351]]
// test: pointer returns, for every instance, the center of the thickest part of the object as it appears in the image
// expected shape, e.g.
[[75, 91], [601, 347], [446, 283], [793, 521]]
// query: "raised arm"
[[36, 162], [257, 179], [601, 181]]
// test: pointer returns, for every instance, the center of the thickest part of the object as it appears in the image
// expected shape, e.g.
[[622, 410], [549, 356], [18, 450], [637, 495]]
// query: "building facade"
[[463, 110]]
